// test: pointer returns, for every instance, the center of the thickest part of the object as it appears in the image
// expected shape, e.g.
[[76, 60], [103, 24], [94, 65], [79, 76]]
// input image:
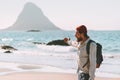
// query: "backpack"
[[99, 56]]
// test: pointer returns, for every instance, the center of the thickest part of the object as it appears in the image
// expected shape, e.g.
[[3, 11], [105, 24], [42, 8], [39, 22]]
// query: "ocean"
[[60, 56]]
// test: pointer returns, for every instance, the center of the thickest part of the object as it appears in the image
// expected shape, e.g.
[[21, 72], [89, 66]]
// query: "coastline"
[[20, 71]]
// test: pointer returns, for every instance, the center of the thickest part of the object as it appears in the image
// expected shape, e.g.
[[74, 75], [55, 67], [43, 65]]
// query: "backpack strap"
[[88, 51]]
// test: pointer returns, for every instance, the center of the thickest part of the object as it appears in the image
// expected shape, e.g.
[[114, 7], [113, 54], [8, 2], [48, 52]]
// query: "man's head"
[[81, 33]]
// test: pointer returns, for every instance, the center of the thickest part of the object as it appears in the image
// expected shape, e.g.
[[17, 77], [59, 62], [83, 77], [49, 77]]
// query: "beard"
[[79, 39]]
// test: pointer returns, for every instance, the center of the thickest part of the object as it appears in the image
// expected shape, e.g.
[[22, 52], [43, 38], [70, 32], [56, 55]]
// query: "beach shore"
[[44, 76], [20, 71]]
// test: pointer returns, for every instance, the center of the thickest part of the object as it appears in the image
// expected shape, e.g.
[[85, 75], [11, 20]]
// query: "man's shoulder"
[[92, 43]]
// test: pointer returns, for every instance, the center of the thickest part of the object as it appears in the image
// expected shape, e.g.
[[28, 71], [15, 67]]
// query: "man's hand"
[[66, 40]]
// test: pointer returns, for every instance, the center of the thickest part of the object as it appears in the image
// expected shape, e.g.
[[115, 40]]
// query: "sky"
[[67, 14]]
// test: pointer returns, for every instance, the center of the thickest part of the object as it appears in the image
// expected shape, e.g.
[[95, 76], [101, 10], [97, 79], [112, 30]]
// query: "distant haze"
[[32, 18]]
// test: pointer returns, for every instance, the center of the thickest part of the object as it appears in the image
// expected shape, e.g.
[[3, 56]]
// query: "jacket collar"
[[85, 42]]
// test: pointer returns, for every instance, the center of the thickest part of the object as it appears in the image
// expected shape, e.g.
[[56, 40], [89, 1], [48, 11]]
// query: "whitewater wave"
[[7, 39], [57, 48]]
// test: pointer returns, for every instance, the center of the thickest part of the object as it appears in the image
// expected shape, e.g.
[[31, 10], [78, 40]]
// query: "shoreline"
[[21, 71]]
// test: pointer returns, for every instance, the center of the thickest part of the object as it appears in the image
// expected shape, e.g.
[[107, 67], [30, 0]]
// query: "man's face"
[[78, 36]]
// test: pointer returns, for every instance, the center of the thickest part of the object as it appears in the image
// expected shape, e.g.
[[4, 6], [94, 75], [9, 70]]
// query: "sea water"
[[60, 56]]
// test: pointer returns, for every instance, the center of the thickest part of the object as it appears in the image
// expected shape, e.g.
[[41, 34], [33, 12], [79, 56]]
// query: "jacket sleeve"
[[92, 59], [73, 43]]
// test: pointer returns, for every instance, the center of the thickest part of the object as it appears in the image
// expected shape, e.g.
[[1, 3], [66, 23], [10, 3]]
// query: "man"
[[86, 63]]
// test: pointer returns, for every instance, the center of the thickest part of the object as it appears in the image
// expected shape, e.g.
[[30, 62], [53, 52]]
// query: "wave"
[[57, 48], [6, 39], [112, 50]]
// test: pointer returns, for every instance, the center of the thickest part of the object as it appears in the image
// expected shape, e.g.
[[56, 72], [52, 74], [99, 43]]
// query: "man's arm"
[[92, 58], [71, 43]]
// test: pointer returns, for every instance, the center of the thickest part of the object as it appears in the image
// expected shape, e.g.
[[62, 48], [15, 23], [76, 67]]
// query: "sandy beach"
[[45, 76], [18, 71]]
